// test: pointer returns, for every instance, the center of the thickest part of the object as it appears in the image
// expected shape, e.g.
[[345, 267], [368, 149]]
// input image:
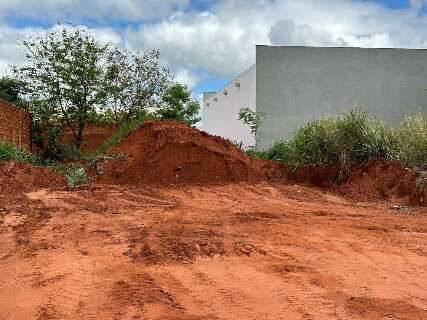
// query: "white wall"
[[299, 84], [220, 111]]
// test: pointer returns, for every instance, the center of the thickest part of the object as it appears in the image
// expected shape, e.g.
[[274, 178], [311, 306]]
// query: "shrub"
[[362, 136], [352, 136], [75, 175], [411, 138], [10, 152], [257, 154]]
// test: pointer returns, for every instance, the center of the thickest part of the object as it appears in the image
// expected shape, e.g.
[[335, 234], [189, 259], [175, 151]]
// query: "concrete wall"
[[14, 125], [221, 109], [297, 84]]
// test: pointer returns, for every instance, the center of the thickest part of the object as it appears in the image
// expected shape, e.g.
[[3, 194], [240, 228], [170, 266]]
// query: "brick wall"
[[14, 125]]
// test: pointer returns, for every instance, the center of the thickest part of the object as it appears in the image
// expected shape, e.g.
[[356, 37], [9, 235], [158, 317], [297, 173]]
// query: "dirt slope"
[[237, 251], [170, 152], [18, 178], [376, 179]]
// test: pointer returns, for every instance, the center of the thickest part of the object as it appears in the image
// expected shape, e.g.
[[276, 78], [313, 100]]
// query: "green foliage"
[[136, 83], [258, 154], [65, 77], [10, 152], [75, 176], [52, 152], [119, 134], [178, 105], [72, 79], [11, 91], [253, 119], [351, 136], [411, 138]]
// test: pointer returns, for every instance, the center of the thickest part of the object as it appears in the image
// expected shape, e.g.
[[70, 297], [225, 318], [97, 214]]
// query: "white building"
[[292, 85]]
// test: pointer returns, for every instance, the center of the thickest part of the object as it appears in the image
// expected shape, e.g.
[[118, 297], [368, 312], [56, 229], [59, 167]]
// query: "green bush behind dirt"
[[353, 136]]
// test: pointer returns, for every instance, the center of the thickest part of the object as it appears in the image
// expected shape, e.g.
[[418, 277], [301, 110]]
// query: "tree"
[[253, 119], [178, 104], [65, 77], [137, 82], [11, 91]]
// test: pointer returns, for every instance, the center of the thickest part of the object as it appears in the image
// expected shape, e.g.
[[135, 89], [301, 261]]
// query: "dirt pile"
[[17, 178], [170, 152], [376, 179]]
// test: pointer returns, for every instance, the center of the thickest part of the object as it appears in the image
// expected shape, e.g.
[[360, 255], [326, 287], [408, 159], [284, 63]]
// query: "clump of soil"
[[170, 152], [18, 178], [376, 179]]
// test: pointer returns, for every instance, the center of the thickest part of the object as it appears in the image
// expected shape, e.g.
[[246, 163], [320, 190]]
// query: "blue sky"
[[206, 43]]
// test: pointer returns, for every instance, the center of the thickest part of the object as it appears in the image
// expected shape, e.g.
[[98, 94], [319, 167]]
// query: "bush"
[[75, 175], [10, 152], [411, 138], [352, 136]]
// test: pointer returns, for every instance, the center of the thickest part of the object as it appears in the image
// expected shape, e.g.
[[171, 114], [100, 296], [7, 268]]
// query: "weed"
[[411, 139], [75, 176], [353, 136], [10, 152], [119, 134]]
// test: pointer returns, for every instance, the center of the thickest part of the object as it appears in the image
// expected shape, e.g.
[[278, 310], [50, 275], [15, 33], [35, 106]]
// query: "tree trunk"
[[79, 137]]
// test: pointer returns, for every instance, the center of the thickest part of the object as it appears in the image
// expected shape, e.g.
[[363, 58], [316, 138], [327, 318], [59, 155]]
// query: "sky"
[[207, 43]]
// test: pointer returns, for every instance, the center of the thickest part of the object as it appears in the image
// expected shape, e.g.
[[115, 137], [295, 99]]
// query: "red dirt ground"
[[194, 243], [231, 251]]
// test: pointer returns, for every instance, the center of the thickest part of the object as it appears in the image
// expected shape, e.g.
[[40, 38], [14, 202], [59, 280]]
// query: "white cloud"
[[10, 54], [221, 41], [76, 10], [186, 77]]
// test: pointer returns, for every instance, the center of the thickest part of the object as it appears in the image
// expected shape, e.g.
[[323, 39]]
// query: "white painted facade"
[[221, 109]]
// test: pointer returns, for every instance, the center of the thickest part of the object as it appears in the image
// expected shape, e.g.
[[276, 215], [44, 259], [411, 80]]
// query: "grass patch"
[[411, 137], [119, 134], [10, 152], [353, 136], [74, 174]]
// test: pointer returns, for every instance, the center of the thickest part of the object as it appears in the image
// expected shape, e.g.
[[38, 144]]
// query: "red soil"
[[17, 178], [93, 137], [247, 250], [376, 179], [170, 152]]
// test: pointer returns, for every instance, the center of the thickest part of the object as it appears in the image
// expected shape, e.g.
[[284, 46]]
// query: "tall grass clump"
[[10, 152], [411, 138], [119, 134], [354, 136]]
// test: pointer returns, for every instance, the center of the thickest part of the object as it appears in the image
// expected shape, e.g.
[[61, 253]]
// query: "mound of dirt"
[[18, 178], [376, 179], [170, 152]]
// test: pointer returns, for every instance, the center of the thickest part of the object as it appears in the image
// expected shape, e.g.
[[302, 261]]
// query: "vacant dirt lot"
[[229, 251]]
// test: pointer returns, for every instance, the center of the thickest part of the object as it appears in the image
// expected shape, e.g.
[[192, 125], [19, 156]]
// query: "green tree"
[[137, 80], [11, 90], [178, 104], [65, 77], [253, 119]]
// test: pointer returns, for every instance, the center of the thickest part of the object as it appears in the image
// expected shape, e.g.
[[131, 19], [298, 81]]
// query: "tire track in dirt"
[[238, 251]]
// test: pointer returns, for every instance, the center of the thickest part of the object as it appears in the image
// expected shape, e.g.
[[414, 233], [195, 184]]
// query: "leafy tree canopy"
[[178, 104], [11, 91]]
